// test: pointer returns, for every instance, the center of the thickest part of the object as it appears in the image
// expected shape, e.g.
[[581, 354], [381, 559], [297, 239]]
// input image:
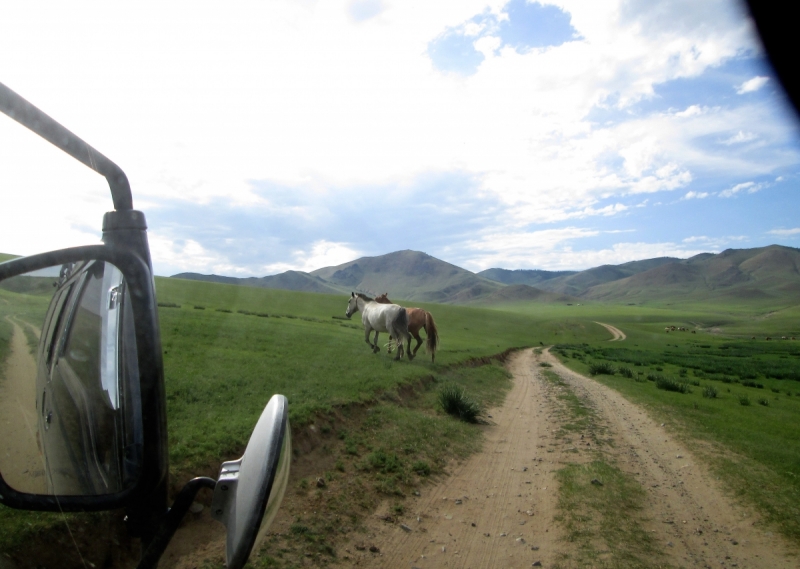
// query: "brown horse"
[[418, 318]]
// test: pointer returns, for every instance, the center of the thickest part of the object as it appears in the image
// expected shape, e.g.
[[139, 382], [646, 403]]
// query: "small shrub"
[[168, 305], [545, 364], [694, 382], [603, 368], [710, 392], [763, 402], [726, 380], [454, 401], [659, 368], [775, 390], [422, 468], [626, 372], [683, 372], [198, 307], [744, 400], [384, 462], [225, 310], [668, 384]]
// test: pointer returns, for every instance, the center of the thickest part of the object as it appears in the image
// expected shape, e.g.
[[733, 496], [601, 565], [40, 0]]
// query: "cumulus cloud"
[[752, 85], [321, 254], [324, 98]]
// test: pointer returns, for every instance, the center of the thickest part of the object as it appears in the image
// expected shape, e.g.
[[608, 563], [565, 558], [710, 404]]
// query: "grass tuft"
[[668, 384], [602, 368], [454, 401]]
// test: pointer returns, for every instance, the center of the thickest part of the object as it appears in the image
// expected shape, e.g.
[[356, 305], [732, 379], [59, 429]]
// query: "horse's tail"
[[432, 341], [400, 325]]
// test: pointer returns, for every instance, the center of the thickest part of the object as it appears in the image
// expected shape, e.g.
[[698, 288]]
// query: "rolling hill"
[[410, 275], [522, 276], [739, 275], [743, 274]]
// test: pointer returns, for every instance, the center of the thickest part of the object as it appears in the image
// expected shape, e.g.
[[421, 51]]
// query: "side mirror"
[[250, 490], [77, 334], [82, 405]]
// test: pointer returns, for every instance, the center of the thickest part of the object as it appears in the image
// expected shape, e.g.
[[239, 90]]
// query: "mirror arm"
[[31, 117], [172, 519]]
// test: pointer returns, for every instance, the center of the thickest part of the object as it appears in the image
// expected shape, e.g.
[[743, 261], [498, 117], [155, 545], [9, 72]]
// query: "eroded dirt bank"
[[498, 508]]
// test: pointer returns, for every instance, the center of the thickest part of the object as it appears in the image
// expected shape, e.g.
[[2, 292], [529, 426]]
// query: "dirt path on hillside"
[[20, 460], [497, 509], [618, 335]]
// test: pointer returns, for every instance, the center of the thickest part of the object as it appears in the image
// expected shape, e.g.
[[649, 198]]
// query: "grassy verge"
[[396, 445]]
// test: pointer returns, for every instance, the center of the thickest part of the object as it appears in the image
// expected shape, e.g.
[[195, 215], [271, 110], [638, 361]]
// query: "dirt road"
[[498, 508], [20, 461], [618, 335]]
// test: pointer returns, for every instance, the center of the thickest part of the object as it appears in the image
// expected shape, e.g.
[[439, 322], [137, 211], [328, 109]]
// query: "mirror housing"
[[249, 490]]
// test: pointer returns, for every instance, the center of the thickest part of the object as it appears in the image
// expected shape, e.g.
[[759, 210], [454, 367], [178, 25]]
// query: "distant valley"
[[758, 274]]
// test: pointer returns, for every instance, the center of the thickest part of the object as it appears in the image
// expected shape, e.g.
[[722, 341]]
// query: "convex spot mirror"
[[71, 422], [249, 491]]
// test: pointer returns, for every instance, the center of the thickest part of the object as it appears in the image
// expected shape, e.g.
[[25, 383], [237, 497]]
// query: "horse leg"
[[375, 348], [419, 343], [367, 332]]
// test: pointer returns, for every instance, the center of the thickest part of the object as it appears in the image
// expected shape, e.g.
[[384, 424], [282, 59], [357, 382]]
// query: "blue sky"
[[296, 135]]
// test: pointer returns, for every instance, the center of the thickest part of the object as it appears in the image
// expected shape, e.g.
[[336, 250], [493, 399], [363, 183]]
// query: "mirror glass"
[[70, 408]]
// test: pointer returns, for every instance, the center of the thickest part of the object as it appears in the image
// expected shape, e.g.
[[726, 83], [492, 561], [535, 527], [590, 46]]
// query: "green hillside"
[[409, 275], [762, 275], [579, 283], [522, 276]]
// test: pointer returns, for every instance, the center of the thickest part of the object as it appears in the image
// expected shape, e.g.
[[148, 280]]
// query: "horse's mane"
[[364, 296]]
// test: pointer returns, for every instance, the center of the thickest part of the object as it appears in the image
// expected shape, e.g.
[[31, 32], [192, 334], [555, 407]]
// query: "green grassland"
[[228, 348]]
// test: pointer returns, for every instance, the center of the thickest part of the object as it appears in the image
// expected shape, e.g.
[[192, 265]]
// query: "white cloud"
[[739, 138], [695, 195], [322, 254], [749, 187], [752, 85], [714, 243], [558, 254], [196, 105], [785, 232], [691, 111]]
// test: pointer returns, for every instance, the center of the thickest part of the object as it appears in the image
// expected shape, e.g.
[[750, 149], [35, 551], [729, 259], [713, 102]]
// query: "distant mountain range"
[[771, 272]]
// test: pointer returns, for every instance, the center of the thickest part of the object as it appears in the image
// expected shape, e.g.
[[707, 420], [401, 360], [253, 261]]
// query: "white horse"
[[389, 318]]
